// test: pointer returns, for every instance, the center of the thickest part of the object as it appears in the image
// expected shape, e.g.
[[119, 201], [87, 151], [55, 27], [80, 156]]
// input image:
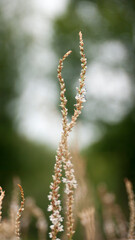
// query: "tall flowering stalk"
[[55, 203], [63, 157]]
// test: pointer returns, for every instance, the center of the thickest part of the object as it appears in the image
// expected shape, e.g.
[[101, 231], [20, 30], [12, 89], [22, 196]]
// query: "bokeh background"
[[33, 36]]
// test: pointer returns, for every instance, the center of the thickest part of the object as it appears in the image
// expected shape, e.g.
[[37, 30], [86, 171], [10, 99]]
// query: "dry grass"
[[131, 201], [87, 218], [19, 214], [10, 226], [114, 221]]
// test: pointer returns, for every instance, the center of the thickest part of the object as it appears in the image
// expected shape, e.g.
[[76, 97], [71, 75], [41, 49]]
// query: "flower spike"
[[63, 157]]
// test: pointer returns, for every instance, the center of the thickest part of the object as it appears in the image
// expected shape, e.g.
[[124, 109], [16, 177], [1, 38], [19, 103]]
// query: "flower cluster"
[[70, 185], [63, 157], [81, 91], [55, 203]]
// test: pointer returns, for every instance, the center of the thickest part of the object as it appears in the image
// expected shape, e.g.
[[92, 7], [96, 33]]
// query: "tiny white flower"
[[56, 212], [49, 197], [61, 228], [84, 90], [50, 234], [68, 163], [50, 208], [54, 178], [77, 97], [52, 226], [51, 186], [61, 219], [64, 180], [83, 99], [58, 202], [57, 189], [67, 191]]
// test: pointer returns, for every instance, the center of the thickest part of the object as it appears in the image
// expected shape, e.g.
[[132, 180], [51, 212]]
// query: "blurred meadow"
[[33, 36]]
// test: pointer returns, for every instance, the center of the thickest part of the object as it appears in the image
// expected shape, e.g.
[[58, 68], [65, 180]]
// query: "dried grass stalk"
[[131, 202], [87, 218], [114, 222], [32, 210], [2, 195], [83, 196], [19, 213]]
